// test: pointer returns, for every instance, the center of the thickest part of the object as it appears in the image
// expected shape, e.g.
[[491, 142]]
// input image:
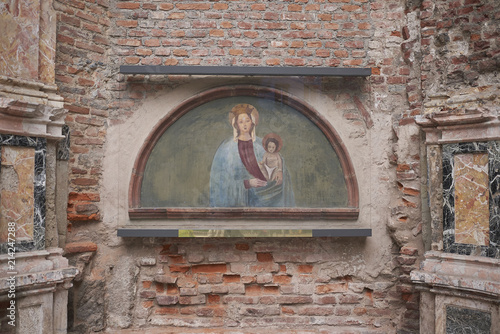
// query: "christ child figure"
[[272, 162]]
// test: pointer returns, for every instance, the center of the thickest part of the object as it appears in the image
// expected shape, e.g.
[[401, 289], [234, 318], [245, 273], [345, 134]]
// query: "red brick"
[[127, 23], [220, 6], [151, 42], [350, 8], [128, 5], [269, 289], [83, 218], [209, 268], [317, 311], [231, 278], [166, 310], [294, 300], [258, 7], [148, 294], [350, 299], [82, 181], [80, 247], [147, 304], [192, 300], [282, 279], [331, 288], [353, 62], [294, 8], [77, 109], [264, 257], [327, 300], [128, 42], [193, 6], [253, 290], [213, 299], [69, 20], [179, 268], [305, 268], [168, 300], [166, 6]]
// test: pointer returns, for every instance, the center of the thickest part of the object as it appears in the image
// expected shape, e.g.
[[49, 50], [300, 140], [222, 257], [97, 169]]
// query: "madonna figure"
[[236, 179]]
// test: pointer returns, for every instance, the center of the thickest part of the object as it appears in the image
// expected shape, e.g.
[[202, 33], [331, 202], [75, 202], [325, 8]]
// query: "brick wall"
[[82, 73], [236, 282], [460, 44]]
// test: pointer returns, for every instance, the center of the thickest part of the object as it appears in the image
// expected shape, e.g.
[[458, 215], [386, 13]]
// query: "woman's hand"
[[255, 183]]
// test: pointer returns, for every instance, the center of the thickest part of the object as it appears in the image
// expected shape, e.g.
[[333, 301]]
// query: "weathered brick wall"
[[460, 42], [314, 284], [82, 72], [461, 55]]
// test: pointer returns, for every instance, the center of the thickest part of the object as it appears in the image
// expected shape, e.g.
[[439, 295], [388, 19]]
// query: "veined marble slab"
[[471, 200], [17, 171], [29, 236], [472, 212]]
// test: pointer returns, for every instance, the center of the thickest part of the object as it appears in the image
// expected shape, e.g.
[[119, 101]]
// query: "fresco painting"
[[243, 151]]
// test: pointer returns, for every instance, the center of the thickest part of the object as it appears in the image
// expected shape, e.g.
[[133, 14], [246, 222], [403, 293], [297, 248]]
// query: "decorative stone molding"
[[471, 125], [31, 119], [35, 269], [463, 286], [459, 275], [30, 108], [41, 290]]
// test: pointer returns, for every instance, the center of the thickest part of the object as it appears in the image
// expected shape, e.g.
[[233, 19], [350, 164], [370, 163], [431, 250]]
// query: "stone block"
[[167, 300]]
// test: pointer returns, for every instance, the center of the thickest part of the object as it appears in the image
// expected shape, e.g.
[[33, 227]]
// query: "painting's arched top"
[[173, 175]]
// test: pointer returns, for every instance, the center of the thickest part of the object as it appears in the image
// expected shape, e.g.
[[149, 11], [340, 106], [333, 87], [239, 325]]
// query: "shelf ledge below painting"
[[228, 233]]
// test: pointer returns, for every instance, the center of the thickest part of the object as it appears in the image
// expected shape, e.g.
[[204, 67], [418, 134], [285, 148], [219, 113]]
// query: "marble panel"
[[472, 216], [37, 237], [16, 191], [476, 245], [64, 145], [19, 46], [464, 320]]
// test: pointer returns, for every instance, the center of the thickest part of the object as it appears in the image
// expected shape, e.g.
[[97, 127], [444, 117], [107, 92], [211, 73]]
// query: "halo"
[[244, 108], [274, 136]]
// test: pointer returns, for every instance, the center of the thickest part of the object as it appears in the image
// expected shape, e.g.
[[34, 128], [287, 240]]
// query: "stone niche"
[[460, 276], [34, 275]]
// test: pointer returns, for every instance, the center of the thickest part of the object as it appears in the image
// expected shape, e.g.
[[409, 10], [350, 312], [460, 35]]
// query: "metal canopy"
[[243, 71]]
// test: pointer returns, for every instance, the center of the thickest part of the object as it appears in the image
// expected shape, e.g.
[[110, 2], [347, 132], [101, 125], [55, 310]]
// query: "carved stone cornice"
[[31, 119], [450, 127], [453, 274], [465, 115]]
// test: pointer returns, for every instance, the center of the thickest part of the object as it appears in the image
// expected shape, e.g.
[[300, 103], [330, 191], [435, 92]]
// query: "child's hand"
[[278, 177]]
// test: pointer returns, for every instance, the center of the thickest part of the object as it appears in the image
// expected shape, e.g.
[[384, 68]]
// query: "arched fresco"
[[175, 170]]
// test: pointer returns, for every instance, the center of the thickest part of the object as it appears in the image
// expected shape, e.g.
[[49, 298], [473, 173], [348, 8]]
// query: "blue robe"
[[227, 176]]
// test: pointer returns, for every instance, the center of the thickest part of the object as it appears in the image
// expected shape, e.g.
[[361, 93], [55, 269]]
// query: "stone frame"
[[449, 244], [350, 212], [40, 146]]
